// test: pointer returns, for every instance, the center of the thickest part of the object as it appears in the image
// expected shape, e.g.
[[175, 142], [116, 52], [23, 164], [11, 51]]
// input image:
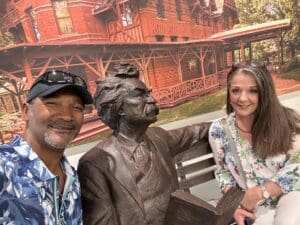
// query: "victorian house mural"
[[183, 48]]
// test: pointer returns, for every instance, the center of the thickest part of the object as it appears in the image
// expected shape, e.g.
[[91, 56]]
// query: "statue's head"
[[122, 98]]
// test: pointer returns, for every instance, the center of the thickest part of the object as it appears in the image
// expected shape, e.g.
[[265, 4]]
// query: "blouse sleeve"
[[288, 177], [216, 140]]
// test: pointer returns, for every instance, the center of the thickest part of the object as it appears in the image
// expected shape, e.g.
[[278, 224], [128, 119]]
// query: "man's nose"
[[66, 113]]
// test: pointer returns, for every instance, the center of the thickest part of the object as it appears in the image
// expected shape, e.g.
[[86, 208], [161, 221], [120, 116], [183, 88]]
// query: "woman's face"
[[243, 95]]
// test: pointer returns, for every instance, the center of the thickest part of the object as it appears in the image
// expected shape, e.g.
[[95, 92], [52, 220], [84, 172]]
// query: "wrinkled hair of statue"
[[110, 92]]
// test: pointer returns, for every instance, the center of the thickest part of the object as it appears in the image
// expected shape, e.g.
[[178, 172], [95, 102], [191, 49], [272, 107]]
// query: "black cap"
[[42, 87]]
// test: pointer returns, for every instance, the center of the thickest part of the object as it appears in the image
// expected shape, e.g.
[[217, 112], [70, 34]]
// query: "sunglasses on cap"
[[60, 77]]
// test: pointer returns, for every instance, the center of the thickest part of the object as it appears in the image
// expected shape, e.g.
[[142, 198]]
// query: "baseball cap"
[[54, 80]]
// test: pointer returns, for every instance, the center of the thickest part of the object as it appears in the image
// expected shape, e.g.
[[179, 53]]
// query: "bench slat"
[[195, 166], [188, 183], [184, 170]]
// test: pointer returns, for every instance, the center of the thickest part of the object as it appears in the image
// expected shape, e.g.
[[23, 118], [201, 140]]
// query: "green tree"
[[292, 37], [260, 11]]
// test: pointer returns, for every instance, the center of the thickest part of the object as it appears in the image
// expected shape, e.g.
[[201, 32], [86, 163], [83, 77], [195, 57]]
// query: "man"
[[37, 183], [128, 177]]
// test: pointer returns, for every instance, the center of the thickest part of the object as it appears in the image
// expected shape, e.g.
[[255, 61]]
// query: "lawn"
[[201, 105], [291, 69], [293, 74]]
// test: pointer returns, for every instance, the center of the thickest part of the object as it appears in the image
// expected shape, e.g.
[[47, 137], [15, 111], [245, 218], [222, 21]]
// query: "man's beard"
[[58, 145]]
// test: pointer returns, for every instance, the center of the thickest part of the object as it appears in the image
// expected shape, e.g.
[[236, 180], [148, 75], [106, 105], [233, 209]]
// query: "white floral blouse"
[[283, 169]]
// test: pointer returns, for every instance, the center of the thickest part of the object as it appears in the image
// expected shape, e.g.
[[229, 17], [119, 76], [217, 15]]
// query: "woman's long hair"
[[274, 125]]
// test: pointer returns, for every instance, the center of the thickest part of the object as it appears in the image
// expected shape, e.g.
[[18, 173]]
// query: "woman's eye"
[[235, 91], [253, 91]]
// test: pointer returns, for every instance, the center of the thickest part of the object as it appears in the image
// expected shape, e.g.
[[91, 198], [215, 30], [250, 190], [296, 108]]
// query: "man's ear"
[[25, 109]]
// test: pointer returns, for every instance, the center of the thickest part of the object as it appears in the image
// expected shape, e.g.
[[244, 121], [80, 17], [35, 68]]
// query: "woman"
[[266, 136]]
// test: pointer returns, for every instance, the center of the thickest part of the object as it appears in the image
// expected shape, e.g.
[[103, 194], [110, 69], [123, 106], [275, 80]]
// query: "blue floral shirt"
[[29, 192], [283, 169]]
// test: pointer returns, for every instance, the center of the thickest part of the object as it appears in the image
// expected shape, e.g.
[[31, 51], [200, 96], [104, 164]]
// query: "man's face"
[[139, 107], [55, 120]]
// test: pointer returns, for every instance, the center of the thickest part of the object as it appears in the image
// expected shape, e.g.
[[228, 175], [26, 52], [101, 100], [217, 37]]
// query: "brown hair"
[[274, 125]]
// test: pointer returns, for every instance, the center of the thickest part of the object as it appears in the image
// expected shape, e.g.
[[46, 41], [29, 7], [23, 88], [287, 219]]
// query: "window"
[[30, 12], [173, 38], [126, 16], [160, 10], [62, 16], [185, 39], [178, 10], [159, 38]]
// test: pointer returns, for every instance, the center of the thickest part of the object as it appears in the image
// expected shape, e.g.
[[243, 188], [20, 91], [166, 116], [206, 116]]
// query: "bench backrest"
[[195, 166]]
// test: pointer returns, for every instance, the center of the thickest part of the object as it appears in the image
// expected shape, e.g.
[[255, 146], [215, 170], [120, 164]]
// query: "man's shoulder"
[[100, 151], [9, 148], [157, 131]]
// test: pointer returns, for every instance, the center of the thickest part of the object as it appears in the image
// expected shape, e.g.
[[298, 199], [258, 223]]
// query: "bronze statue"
[[127, 179]]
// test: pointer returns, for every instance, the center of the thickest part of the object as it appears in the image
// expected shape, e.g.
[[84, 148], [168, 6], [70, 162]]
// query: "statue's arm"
[[97, 204], [186, 137]]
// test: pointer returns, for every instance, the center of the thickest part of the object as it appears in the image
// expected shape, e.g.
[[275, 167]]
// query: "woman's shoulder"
[[217, 123], [216, 128]]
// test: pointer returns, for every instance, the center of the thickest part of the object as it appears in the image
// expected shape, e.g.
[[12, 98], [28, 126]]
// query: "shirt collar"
[[26, 152], [128, 145]]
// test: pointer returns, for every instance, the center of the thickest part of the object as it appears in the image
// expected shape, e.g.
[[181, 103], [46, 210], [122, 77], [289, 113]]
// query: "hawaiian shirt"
[[283, 169], [29, 192]]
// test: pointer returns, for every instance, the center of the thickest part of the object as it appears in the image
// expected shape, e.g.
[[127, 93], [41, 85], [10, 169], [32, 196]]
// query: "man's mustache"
[[62, 124]]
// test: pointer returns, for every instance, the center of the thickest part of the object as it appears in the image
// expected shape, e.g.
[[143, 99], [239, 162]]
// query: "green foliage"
[[6, 38], [249, 14], [292, 65], [293, 74], [260, 11]]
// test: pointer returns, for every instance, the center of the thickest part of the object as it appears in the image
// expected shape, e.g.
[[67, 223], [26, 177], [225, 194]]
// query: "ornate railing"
[[176, 94], [223, 77]]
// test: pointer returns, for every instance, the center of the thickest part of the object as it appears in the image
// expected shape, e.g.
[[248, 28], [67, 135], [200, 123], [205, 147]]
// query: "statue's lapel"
[[122, 173]]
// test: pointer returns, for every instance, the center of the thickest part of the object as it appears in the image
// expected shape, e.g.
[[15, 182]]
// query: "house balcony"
[[11, 19], [105, 5], [102, 6]]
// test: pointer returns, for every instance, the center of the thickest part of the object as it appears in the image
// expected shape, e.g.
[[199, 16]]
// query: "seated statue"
[[128, 178]]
